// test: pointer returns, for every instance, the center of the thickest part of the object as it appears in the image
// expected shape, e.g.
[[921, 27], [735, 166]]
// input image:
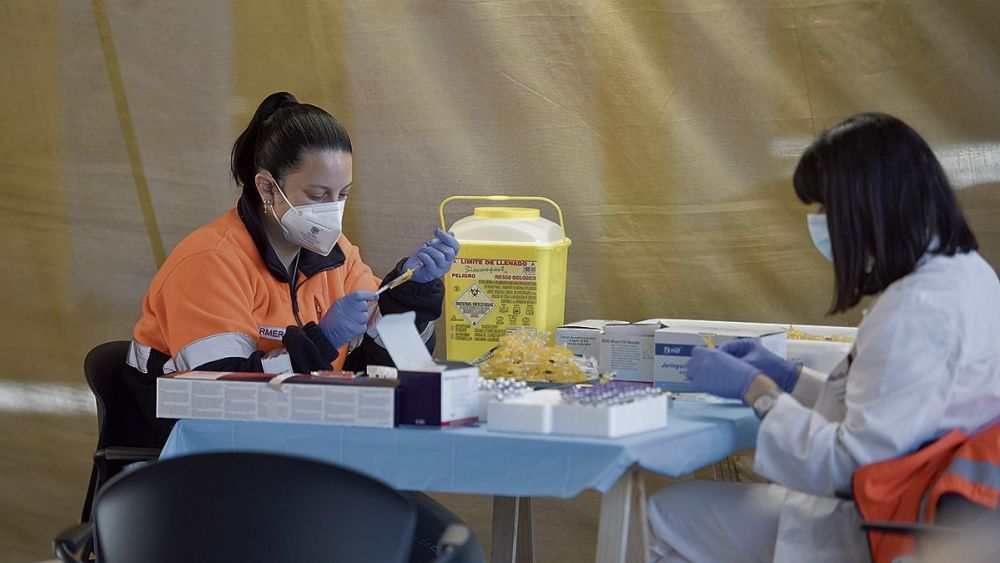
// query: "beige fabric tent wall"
[[667, 130]]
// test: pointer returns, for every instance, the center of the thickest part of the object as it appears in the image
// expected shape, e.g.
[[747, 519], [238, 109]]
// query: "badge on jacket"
[[272, 333]]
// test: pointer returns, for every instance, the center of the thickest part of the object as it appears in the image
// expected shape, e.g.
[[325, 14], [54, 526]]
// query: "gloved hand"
[[716, 372], [347, 318], [783, 372], [434, 258]]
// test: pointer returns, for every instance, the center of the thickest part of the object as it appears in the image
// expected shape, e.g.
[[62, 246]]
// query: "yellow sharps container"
[[509, 274]]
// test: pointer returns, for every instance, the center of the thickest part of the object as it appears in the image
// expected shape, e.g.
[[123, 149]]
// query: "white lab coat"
[[926, 361]]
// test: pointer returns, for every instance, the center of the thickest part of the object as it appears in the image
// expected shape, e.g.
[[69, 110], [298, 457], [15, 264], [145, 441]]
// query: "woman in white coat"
[[926, 359]]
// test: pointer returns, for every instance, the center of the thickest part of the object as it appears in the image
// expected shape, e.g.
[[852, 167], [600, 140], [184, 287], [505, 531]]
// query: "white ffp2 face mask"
[[315, 227], [820, 233]]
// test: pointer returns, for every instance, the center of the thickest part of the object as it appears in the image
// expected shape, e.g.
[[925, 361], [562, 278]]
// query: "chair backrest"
[[103, 369], [125, 406], [99, 369], [250, 507]]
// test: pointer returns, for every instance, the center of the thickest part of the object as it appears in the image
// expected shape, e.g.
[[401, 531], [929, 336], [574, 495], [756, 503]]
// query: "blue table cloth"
[[476, 460]]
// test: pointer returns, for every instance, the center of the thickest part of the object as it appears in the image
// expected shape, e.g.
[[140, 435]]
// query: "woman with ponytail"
[[273, 285]]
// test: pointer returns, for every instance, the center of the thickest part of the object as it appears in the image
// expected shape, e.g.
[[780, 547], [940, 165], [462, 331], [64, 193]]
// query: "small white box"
[[673, 346], [627, 350], [610, 421], [583, 338], [439, 395], [529, 413], [435, 394], [381, 372]]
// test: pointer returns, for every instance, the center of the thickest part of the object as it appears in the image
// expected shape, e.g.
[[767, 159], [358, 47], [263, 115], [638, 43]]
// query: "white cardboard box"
[[530, 413], [673, 346], [433, 394], [627, 350], [696, 323], [544, 412], [440, 395], [610, 421], [583, 338], [247, 396], [848, 332]]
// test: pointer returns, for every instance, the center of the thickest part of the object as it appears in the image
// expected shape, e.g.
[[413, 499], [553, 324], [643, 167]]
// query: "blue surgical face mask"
[[820, 233]]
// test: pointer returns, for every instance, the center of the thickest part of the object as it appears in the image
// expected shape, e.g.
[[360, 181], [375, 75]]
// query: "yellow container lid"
[[507, 213]]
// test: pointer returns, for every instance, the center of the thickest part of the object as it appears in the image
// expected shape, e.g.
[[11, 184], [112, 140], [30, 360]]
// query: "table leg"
[[623, 532], [512, 538]]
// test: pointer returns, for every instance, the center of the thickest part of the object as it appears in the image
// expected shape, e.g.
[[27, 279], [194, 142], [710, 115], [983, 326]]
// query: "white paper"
[[401, 339], [276, 381]]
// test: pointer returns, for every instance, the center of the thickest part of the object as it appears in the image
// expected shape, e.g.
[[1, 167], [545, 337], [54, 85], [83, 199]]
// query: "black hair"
[[279, 132], [886, 198]]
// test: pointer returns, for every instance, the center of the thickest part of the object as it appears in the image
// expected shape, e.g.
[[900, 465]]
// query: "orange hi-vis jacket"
[[907, 489], [223, 301]]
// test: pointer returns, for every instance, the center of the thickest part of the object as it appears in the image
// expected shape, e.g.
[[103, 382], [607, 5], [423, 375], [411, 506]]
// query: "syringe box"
[[444, 394], [673, 347], [583, 338], [627, 350], [432, 393], [259, 396]]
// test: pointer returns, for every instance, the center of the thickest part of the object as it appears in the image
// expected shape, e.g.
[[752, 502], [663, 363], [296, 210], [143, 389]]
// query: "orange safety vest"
[[217, 282], [907, 488]]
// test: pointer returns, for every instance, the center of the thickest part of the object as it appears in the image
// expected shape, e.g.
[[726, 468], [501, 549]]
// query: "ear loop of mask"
[[290, 206]]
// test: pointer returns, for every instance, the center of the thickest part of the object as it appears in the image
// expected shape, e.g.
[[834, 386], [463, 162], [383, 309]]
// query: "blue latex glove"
[[783, 372], [347, 318], [434, 258], [716, 372]]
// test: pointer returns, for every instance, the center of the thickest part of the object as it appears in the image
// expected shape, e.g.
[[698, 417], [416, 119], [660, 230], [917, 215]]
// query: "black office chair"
[[247, 507], [116, 414]]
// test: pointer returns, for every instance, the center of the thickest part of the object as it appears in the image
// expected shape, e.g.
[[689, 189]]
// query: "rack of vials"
[[610, 410]]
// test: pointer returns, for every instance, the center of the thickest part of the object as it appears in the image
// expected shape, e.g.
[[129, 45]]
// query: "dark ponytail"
[[280, 131]]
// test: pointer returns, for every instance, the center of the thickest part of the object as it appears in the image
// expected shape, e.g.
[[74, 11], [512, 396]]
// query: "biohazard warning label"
[[490, 297], [474, 304]]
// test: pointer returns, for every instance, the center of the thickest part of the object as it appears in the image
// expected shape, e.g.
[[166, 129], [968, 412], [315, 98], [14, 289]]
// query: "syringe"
[[405, 276], [398, 281]]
